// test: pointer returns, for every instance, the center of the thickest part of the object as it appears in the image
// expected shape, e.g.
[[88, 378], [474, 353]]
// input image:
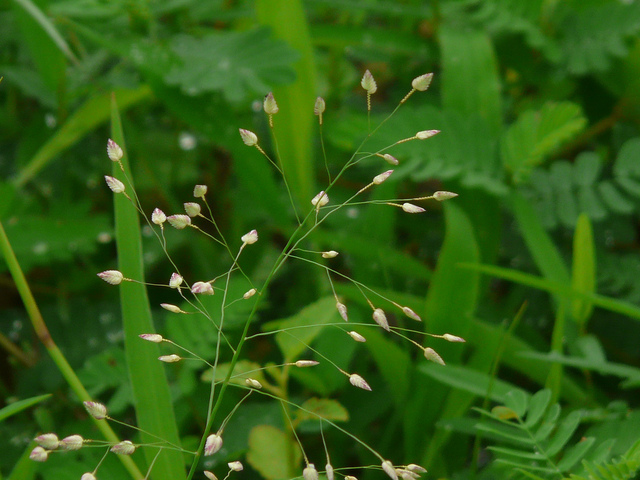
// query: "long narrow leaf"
[[293, 124], [87, 117], [611, 304], [154, 410], [583, 269]]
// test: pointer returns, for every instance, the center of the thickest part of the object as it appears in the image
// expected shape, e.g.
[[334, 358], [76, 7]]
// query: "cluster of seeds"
[[211, 443]]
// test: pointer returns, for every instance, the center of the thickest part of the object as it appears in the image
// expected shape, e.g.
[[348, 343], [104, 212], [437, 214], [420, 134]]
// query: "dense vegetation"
[[535, 264]]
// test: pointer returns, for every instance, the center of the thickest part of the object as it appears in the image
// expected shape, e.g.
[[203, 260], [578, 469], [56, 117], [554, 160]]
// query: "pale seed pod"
[[310, 472], [114, 151], [368, 83], [172, 308], [357, 381], [151, 337], [422, 82], [199, 191], [424, 134], [390, 159], [202, 288], [114, 184], [72, 442], [357, 337], [411, 314], [441, 196], [320, 200], [249, 293], [123, 448], [270, 106], [306, 363], [88, 476], [411, 208], [213, 444], [431, 355], [112, 277], [319, 107], [329, 471], [452, 338], [158, 217], [96, 410], [406, 474], [193, 209], [330, 254], [176, 280], [342, 310], [387, 466], [378, 179], [173, 358], [210, 475], [253, 383], [350, 477], [39, 454], [236, 466], [249, 138], [179, 221], [412, 467], [381, 319], [48, 440], [250, 238]]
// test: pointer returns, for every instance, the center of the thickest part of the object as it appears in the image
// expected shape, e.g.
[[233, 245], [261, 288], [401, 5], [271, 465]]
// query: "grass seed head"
[[381, 319], [158, 217], [213, 444], [96, 410], [270, 106], [114, 151], [422, 82]]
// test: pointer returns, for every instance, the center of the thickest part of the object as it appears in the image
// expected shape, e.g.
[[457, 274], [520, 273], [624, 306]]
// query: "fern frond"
[[624, 468]]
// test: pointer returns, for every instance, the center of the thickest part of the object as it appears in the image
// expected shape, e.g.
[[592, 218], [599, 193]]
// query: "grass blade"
[[152, 398]]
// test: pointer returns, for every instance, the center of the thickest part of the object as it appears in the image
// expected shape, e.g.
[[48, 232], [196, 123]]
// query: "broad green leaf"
[[592, 35], [68, 236], [564, 433], [21, 405], [244, 369], [273, 453], [517, 400], [360, 247], [442, 314], [449, 282], [584, 270], [327, 408], [293, 130], [537, 406], [471, 381], [544, 252], [235, 63], [574, 454], [46, 45], [393, 362], [87, 117], [153, 405], [470, 78], [300, 330], [538, 133]]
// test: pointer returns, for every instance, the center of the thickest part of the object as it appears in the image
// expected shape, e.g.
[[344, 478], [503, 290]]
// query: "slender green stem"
[[59, 359]]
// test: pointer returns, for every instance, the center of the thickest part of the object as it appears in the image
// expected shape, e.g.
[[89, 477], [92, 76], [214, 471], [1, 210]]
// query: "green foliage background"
[[536, 263]]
